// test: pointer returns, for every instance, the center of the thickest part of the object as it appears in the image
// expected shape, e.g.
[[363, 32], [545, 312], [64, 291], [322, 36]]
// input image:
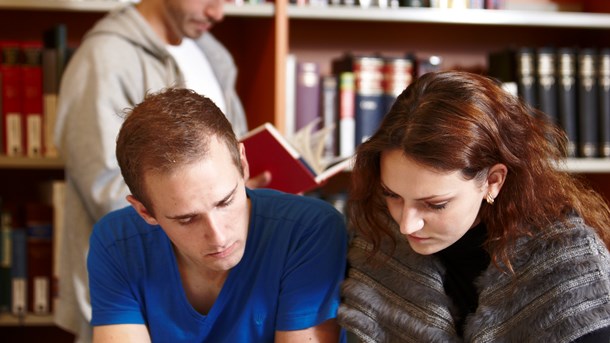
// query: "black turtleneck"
[[465, 260]]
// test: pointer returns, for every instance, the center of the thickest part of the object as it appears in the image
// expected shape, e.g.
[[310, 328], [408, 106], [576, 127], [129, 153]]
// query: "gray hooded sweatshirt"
[[119, 61]]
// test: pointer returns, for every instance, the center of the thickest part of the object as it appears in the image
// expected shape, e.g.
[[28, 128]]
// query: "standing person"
[[199, 257], [465, 228], [134, 50]]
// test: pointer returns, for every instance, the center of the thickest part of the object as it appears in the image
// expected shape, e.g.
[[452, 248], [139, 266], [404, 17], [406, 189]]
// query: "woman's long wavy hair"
[[462, 121]]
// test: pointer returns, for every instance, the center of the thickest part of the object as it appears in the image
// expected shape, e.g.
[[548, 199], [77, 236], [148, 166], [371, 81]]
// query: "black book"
[[604, 102], [546, 83], [587, 103], [525, 75], [566, 85]]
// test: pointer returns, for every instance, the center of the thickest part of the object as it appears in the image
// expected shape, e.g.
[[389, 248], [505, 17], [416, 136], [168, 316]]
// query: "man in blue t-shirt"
[[198, 256]]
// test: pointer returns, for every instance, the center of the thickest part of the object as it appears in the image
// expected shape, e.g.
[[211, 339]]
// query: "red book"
[[39, 226], [31, 71], [12, 119], [268, 150]]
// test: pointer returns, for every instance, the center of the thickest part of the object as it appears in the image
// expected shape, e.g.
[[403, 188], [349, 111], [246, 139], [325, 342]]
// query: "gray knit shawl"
[[560, 291]]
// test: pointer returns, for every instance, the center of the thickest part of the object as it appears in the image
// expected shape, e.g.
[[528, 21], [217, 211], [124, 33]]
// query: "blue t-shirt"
[[288, 278]]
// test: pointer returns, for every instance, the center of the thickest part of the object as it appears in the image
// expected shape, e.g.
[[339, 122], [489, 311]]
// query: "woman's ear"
[[495, 179]]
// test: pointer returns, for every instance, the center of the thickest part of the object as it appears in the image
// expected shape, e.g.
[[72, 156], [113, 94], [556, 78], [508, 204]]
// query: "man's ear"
[[244, 161], [142, 211], [495, 179]]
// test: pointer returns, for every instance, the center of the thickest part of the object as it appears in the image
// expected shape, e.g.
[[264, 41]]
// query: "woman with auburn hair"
[[466, 230]]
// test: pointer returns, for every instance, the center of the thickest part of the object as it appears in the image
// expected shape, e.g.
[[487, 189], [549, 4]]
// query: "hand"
[[259, 181]]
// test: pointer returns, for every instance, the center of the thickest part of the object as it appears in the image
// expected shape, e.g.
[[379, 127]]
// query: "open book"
[[296, 165]]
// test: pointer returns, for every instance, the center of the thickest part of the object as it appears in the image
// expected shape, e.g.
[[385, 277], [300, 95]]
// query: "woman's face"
[[432, 209]]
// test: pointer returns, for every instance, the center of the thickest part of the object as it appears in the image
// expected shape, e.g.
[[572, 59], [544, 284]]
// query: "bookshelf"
[[261, 36]]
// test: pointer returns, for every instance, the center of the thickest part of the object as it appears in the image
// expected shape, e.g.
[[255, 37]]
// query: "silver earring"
[[490, 198]]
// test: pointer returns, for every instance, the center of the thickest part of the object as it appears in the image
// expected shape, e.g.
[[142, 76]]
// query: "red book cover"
[[12, 119], [268, 150], [39, 226], [31, 71]]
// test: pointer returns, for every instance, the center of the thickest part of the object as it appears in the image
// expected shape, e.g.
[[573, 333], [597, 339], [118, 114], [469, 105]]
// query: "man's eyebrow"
[[181, 216], [227, 197], [218, 203]]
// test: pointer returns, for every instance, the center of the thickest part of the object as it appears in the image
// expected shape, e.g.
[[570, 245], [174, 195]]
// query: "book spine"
[[398, 73], [307, 93], [6, 258], [39, 256], [604, 102], [526, 78], [347, 123], [19, 275], [329, 114], [33, 98], [547, 83], [566, 73], [369, 106], [587, 103], [11, 99], [58, 200], [49, 94]]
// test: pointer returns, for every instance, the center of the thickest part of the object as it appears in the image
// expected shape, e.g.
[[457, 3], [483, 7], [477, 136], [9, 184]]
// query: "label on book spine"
[[41, 295], [19, 296]]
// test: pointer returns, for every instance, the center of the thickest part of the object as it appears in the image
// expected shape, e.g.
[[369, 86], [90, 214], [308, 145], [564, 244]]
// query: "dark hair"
[[456, 120], [166, 131]]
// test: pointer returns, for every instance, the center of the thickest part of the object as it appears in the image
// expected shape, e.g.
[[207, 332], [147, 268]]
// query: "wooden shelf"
[[7, 162], [455, 16], [7, 319], [246, 10]]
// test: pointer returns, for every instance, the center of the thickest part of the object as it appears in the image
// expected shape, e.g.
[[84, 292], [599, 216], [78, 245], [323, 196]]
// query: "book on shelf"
[[566, 96], [369, 107], [6, 257], [307, 96], [39, 227], [587, 101], [296, 165], [604, 102], [546, 82], [19, 272], [398, 73], [346, 132], [54, 59], [526, 75], [31, 70], [58, 198], [12, 118], [328, 113]]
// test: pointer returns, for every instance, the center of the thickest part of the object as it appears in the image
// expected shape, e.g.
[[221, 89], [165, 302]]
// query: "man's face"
[[203, 209], [192, 18]]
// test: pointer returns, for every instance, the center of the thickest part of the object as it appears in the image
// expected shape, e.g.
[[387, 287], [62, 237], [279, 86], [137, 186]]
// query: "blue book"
[[19, 271]]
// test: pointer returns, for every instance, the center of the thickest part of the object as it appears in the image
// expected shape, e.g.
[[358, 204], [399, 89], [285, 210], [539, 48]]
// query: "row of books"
[[29, 242], [350, 101], [30, 72], [570, 84], [462, 4]]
